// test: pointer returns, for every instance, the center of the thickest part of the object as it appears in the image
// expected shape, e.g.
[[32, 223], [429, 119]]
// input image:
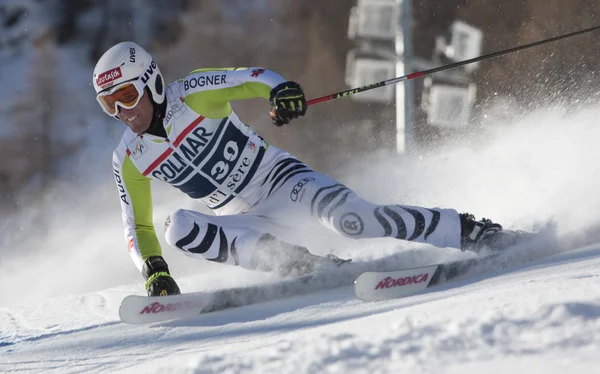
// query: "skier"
[[187, 135]]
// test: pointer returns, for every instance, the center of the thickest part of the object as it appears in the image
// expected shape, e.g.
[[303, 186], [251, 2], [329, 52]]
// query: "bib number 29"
[[230, 153]]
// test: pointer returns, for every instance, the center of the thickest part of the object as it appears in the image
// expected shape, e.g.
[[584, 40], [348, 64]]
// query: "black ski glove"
[[287, 103], [158, 280]]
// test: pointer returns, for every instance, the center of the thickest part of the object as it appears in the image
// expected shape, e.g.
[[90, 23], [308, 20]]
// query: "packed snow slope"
[[543, 316], [60, 298]]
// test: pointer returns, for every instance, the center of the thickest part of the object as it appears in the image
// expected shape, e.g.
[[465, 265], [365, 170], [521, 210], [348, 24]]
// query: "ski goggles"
[[126, 95]]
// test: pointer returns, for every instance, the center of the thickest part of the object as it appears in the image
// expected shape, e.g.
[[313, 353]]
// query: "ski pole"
[[445, 67]]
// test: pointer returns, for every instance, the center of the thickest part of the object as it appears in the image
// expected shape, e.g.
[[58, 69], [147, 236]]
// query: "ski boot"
[[274, 255], [158, 280], [484, 234]]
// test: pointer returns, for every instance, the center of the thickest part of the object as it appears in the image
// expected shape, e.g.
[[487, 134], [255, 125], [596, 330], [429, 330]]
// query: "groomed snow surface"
[[539, 317]]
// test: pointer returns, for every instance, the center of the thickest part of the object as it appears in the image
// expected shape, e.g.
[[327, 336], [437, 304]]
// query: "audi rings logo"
[[352, 224], [298, 188]]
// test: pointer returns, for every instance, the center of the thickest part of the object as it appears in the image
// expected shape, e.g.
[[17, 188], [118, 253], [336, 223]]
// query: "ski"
[[374, 280], [136, 309], [378, 285], [382, 285], [366, 278]]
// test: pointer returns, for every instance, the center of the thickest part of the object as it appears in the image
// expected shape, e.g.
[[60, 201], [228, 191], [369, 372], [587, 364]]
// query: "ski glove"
[[287, 103], [158, 280]]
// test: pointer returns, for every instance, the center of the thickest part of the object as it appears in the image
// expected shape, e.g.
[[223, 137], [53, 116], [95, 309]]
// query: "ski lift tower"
[[382, 32]]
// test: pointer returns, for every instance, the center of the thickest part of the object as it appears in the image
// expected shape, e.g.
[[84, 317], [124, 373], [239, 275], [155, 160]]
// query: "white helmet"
[[125, 62]]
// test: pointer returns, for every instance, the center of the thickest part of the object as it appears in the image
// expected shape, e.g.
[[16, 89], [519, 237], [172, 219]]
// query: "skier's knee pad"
[[188, 231], [199, 235]]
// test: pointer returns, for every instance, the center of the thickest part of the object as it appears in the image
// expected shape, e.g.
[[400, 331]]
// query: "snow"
[[544, 316], [62, 288], [62, 315]]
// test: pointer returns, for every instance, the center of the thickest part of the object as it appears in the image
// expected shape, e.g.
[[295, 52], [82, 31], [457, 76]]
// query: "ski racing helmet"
[[121, 76]]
